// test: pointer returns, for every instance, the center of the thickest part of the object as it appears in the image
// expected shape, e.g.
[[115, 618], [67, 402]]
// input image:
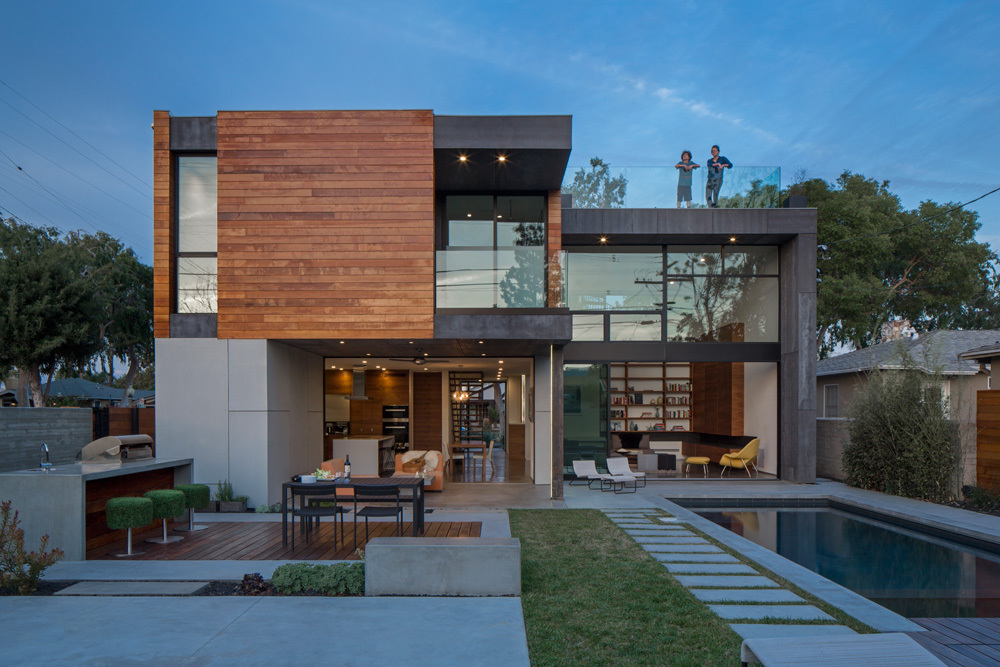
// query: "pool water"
[[913, 575]]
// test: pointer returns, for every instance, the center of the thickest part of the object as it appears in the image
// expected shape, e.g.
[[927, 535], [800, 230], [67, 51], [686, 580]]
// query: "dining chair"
[[487, 456], [317, 503], [377, 494]]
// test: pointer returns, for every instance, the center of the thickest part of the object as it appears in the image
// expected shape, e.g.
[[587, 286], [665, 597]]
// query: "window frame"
[[176, 232], [826, 403]]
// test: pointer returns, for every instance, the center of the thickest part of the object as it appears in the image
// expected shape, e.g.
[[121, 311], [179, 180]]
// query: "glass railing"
[[657, 187], [506, 278]]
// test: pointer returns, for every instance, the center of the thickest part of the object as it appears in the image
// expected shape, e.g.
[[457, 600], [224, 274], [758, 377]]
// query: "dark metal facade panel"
[[541, 328], [193, 133], [532, 169], [194, 325], [595, 352], [508, 132]]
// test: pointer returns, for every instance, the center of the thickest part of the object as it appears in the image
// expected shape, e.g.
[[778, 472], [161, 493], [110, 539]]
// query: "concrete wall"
[[831, 434], [760, 411], [250, 411], [23, 430]]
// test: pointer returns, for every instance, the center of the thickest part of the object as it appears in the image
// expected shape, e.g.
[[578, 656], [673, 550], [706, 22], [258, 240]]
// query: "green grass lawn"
[[592, 596]]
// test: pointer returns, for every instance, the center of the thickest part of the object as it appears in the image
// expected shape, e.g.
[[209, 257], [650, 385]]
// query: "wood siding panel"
[[163, 215], [717, 398], [988, 438], [426, 412], [326, 224], [555, 248]]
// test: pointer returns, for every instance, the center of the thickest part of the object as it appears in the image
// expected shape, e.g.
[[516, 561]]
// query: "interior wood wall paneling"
[[338, 382], [515, 441], [988, 438], [326, 224], [163, 215], [717, 398], [425, 414]]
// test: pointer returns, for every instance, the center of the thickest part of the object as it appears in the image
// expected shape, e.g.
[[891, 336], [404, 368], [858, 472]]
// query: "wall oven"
[[396, 422]]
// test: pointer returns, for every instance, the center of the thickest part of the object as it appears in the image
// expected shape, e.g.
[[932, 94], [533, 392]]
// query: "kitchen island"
[[369, 453], [67, 502]]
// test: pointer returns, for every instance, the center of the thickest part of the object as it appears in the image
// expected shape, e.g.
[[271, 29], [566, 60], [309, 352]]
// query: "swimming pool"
[[912, 574]]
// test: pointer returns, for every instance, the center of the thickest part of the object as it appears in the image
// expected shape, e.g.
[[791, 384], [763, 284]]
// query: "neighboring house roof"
[[984, 352], [931, 352], [85, 389]]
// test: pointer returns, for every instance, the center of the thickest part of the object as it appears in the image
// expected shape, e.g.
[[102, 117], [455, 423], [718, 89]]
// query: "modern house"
[[942, 355], [321, 274]]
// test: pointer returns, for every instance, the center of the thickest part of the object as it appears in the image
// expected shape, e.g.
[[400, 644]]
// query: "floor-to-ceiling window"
[[585, 413]]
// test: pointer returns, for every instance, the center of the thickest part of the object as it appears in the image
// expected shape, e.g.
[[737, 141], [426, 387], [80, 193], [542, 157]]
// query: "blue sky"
[[900, 91]]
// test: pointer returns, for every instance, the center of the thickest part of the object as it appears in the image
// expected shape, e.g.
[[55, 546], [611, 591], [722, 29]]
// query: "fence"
[[125, 421]]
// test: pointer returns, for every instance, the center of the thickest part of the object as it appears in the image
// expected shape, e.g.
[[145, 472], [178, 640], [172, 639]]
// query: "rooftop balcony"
[[656, 187]]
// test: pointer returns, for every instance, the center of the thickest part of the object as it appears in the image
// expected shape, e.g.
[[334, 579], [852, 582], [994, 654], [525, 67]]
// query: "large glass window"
[[585, 410], [722, 294], [197, 234], [494, 253], [614, 280]]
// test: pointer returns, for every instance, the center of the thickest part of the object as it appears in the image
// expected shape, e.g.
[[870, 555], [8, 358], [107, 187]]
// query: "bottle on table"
[[347, 467]]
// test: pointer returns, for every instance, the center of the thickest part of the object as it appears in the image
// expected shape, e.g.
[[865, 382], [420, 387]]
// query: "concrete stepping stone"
[[709, 568], [725, 581], [765, 631], [694, 558], [669, 539], [665, 532], [682, 548], [143, 588], [746, 595], [795, 612]]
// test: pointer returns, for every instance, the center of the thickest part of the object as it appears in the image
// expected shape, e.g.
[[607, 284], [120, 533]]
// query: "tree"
[[46, 304], [123, 292], [878, 261], [596, 188], [523, 284]]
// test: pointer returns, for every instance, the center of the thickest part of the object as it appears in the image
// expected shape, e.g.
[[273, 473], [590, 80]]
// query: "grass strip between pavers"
[[841, 617], [592, 596]]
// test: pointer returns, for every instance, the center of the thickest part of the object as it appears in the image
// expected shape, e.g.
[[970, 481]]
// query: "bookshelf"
[[649, 397]]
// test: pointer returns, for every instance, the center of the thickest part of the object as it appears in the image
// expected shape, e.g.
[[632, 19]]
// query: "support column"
[[557, 422]]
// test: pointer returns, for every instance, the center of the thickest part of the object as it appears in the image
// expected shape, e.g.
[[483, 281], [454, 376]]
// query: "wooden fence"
[[988, 438], [125, 421]]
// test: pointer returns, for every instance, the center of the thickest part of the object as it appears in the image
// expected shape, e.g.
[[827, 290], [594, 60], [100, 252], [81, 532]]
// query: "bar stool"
[[128, 513], [195, 496], [697, 461], [167, 503]]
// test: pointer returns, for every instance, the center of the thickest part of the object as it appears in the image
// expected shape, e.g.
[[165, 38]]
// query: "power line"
[[50, 117], [74, 148], [911, 224], [77, 176]]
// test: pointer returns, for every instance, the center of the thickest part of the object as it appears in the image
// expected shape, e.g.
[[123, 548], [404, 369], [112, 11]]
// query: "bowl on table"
[[308, 479]]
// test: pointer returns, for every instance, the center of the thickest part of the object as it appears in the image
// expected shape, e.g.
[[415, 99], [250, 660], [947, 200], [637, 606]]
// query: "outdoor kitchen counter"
[[67, 503]]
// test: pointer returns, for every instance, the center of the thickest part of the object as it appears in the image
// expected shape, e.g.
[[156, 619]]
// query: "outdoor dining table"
[[415, 484]]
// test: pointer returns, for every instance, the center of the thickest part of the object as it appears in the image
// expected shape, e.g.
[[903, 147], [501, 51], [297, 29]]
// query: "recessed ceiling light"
[[502, 158], [501, 361], [499, 216], [377, 366], [364, 361], [341, 342], [369, 354], [462, 158], [425, 354], [701, 259], [484, 354], [732, 239], [468, 215], [480, 342], [411, 342], [604, 239]]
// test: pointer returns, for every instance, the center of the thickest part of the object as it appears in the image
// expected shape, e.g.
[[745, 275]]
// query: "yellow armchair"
[[745, 458]]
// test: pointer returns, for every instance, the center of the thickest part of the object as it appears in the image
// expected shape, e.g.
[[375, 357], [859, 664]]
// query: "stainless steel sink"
[[41, 469]]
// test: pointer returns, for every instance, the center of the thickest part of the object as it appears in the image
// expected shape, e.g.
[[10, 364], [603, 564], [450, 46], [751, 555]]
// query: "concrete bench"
[[444, 566]]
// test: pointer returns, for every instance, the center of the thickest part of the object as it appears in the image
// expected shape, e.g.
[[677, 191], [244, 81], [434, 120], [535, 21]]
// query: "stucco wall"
[[23, 430]]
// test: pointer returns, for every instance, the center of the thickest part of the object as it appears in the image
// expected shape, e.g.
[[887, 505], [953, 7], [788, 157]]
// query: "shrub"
[[253, 584], [901, 440], [20, 570], [981, 499], [225, 491], [336, 579], [273, 508]]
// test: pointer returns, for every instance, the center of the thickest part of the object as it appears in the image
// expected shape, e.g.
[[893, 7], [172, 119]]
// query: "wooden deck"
[[961, 642], [261, 540]]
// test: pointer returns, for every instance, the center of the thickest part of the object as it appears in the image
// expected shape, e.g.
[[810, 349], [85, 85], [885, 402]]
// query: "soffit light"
[[732, 239], [462, 158], [604, 239], [501, 158]]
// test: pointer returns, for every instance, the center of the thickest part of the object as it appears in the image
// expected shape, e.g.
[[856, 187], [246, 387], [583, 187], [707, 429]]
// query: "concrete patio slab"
[[693, 558], [165, 570], [134, 588], [705, 548], [208, 631], [746, 595], [762, 630], [725, 581], [669, 539], [709, 568], [794, 612]]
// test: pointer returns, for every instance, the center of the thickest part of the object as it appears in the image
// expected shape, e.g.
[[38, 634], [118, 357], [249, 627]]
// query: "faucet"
[[44, 464]]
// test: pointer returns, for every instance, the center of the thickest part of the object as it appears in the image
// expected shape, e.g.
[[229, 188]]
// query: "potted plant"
[[228, 502]]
